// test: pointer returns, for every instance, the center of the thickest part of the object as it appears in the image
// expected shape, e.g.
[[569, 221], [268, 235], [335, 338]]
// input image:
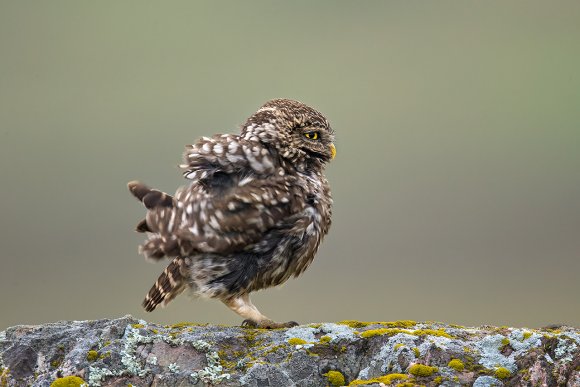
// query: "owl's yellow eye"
[[311, 135]]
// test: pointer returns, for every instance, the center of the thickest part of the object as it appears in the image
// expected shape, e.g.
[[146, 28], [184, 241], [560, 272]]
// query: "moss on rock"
[[422, 370], [456, 364], [386, 379], [68, 381], [335, 378], [502, 373]]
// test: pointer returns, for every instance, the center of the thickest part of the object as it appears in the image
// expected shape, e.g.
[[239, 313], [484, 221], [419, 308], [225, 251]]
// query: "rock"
[[127, 351]]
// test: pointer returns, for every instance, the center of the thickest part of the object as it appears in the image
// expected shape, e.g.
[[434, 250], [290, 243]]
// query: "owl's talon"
[[247, 323], [267, 324]]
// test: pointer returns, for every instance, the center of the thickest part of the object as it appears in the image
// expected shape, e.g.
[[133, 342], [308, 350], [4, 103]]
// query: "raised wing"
[[225, 153], [237, 197]]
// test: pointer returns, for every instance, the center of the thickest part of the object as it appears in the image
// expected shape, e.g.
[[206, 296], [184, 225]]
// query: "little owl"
[[253, 215]]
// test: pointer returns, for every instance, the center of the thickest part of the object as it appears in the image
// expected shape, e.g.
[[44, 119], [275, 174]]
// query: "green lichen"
[[335, 378], [422, 370], [456, 364], [296, 341], [68, 381], [92, 355], [386, 379], [502, 373]]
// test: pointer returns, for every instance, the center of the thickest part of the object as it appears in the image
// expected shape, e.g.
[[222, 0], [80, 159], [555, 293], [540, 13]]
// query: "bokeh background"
[[456, 185]]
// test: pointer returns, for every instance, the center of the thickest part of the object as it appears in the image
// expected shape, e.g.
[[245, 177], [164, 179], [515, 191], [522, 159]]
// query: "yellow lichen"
[[68, 381], [382, 331], [438, 380], [431, 332], [4, 373], [335, 378], [416, 352], [401, 324], [399, 345], [182, 325], [389, 324], [386, 379], [502, 373], [422, 370], [457, 365], [296, 341], [138, 326], [92, 355], [325, 339], [527, 335], [354, 323], [394, 331]]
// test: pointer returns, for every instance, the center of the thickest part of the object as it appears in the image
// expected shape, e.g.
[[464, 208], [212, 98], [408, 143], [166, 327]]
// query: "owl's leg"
[[253, 318]]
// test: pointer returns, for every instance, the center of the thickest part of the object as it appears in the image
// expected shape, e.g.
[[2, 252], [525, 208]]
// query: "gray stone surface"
[[127, 351]]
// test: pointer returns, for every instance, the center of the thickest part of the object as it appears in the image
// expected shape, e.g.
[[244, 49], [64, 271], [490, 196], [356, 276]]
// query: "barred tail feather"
[[151, 198], [169, 285]]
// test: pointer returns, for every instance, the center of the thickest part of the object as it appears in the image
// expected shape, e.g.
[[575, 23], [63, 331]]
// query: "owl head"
[[296, 131]]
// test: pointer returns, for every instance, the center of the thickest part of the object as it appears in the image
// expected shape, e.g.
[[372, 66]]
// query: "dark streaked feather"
[[169, 285]]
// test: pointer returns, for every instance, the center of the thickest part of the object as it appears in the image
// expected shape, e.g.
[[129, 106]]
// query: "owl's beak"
[[332, 151]]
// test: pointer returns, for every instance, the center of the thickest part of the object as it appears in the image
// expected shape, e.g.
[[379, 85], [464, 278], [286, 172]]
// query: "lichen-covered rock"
[[126, 351]]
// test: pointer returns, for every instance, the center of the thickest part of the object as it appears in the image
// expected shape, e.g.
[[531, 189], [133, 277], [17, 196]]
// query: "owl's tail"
[[151, 198], [169, 285]]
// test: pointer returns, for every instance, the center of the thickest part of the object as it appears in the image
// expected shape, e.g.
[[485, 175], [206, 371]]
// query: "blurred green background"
[[457, 180]]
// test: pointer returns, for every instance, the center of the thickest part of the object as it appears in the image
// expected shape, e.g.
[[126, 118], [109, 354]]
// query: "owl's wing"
[[240, 216], [229, 205], [226, 153]]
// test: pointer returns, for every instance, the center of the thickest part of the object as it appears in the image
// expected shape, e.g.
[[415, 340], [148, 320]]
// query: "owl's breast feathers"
[[243, 199]]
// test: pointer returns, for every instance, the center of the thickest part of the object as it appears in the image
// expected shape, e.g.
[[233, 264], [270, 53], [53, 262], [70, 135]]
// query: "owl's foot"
[[253, 318], [267, 324]]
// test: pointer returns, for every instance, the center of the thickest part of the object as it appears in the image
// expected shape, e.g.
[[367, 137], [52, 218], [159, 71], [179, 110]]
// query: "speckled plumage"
[[253, 215]]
